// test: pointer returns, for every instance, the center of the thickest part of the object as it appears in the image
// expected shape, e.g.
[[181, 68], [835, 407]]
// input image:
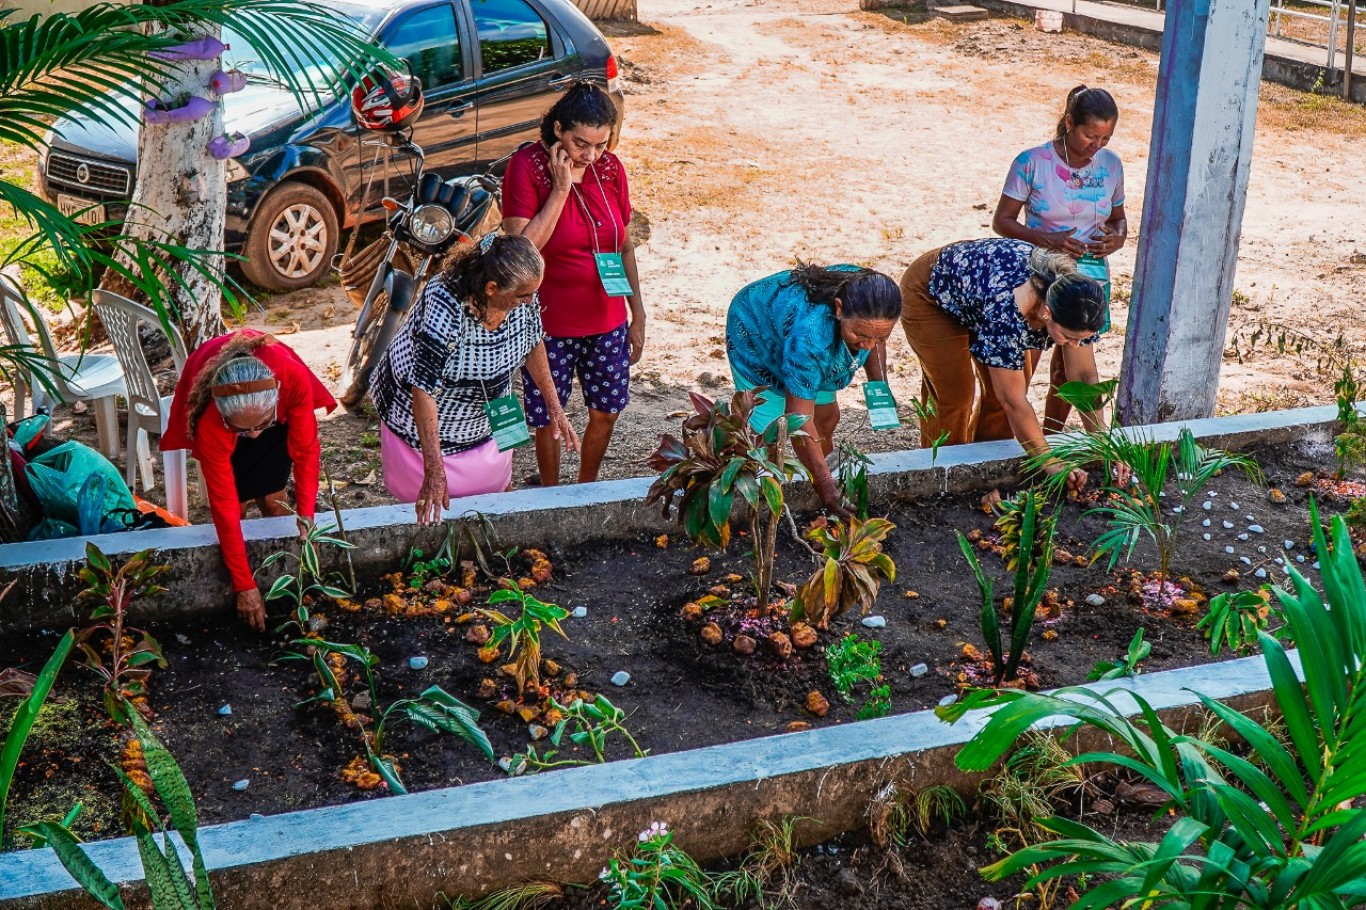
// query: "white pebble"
[[1228, 526], [1315, 565], [417, 663], [1245, 561], [255, 817], [1242, 537], [1212, 493], [1095, 600], [1279, 561], [1261, 549], [1206, 535], [1299, 558], [620, 678], [1233, 506], [1255, 529], [1260, 573], [1290, 544], [1206, 505], [1205, 523], [225, 710], [579, 612], [241, 785], [875, 622], [919, 670], [947, 700], [1178, 510], [1228, 549]]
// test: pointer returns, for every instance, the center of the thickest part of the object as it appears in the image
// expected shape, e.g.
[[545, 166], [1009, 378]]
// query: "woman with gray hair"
[[244, 407], [976, 313], [449, 418]]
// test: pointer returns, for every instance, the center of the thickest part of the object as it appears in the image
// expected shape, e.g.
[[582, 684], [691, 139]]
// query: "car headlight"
[[431, 224]]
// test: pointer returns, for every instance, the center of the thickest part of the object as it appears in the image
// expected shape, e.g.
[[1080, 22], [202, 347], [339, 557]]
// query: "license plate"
[[80, 210]]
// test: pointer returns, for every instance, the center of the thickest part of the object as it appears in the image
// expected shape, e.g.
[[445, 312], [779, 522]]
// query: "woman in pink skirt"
[[449, 419]]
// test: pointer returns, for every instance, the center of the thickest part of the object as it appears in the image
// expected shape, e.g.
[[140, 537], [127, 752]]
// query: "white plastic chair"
[[148, 410], [97, 378]]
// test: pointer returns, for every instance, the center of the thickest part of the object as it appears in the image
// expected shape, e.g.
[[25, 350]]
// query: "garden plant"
[[851, 572], [25, 716], [1284, 831], [120, 655]]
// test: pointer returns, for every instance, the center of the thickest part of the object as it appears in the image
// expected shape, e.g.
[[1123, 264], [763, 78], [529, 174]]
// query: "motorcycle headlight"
[[431, 224]]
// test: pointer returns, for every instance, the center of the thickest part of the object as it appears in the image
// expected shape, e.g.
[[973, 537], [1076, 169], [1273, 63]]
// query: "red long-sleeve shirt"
[[301, 393]]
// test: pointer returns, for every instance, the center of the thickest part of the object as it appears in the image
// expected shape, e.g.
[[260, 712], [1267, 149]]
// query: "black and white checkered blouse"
[[445, 351]]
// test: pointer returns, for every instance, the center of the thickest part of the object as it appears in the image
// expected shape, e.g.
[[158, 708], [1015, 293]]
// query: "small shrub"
[[124, 654], [852, 573], [657, 875], [851, 661]]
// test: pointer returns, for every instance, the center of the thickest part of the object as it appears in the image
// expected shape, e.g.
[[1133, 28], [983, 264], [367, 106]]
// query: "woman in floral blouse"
[[973, 312]]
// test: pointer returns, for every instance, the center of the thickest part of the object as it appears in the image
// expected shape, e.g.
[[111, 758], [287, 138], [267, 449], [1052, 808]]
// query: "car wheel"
[[292, 239]]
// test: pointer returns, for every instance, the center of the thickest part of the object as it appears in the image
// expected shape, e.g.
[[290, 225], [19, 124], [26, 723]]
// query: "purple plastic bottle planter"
[[231, 145], [225, 83], [205, 48], [194, 109]]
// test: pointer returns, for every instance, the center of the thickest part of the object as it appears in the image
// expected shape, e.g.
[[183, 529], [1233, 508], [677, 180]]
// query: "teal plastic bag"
[[80, 487]]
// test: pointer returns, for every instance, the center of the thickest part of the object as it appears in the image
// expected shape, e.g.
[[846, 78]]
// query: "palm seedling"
[[1031, 582], [1282, 831], [1185, 466], [721, 456], [300, 588]]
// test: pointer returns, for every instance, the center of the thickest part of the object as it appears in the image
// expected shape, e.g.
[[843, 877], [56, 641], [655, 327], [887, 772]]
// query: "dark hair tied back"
[[1087, 105], [508, 261], [1077, 303], [585, 104], [864, 294]]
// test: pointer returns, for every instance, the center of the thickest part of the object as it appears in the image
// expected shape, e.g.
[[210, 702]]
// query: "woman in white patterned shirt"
[[450, 365]]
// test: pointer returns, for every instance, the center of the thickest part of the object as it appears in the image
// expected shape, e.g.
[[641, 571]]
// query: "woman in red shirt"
[[569, 196], [244, 408]]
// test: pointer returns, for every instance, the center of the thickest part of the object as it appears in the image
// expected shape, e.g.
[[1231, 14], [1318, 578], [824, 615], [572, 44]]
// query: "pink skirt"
[[483, 469]]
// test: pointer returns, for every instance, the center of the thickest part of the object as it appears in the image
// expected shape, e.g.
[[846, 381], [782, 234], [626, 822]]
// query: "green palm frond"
[[96, 61]]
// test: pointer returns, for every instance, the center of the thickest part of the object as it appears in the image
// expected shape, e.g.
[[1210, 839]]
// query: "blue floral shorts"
[[603, 365]]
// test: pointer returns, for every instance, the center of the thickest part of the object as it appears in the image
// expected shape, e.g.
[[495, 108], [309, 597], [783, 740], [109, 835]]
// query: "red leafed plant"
[[719, 456], [852, 573], [118, 653]]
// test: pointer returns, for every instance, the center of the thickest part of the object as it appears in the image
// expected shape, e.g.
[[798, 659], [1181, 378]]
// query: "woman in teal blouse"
[[803, 334]]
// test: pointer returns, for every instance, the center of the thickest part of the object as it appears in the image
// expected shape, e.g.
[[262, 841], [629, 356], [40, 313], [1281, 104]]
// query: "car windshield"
[[309, 66]]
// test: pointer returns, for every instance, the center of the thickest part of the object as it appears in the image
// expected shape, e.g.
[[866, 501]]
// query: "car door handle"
[[562, 82], [459, 110]]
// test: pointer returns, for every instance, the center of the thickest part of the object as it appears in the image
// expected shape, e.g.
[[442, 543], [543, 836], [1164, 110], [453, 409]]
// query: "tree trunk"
[[181, 198]]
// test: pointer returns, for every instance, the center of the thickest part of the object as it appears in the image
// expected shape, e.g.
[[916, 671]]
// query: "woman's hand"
[[635, 337], [251, 609], [1062, 242], [1120, 474], [1108, 241], [563, 430], [835, 503], [431, 496], [1076, 477], [561, 169]]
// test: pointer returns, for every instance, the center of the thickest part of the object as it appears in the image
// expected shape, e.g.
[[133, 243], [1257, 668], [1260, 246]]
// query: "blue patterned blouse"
[[776, 337], [974, 282]]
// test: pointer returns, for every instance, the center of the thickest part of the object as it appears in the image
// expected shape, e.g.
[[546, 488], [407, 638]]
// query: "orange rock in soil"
[[487, 655], [803, 636], [817, 703], [662, 541], [780, 645], [711, 634], [744, 644], [797, 726], [700, 566], [477, 635], [691, 610]]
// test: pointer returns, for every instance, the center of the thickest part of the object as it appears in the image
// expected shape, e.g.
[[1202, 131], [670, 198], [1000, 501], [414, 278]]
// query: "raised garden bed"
[[682, 693]]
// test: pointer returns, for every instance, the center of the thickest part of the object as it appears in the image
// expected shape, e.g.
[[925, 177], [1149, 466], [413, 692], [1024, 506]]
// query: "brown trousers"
[[958, 386]]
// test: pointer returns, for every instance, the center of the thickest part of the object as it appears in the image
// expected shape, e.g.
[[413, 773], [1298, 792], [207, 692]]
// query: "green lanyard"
[[877, 395], [507, 420], [611, 266]]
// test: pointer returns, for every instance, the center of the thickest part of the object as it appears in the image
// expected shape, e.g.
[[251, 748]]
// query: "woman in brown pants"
[[977, 313]]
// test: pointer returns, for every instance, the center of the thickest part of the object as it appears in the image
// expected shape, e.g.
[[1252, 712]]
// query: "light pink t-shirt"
[[1057, 197]]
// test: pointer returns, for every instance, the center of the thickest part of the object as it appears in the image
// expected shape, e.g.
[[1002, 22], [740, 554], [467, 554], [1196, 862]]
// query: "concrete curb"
[[563, 826], [565, 516]]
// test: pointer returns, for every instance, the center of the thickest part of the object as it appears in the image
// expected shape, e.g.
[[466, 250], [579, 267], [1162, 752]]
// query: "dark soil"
[[682, 693]]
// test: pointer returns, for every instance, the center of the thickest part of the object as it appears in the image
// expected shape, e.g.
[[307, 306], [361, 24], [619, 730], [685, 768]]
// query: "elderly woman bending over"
[[449, 419]]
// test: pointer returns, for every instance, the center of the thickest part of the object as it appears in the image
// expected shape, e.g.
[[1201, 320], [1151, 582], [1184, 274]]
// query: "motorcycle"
[[421, 230]]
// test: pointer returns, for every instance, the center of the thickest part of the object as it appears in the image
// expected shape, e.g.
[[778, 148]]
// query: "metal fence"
[[1336, 15]]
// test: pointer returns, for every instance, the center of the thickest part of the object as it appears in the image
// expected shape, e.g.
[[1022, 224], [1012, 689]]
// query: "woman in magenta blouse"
[[569, 196]]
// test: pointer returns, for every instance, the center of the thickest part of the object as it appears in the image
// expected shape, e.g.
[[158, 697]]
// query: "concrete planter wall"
[[565, 516], [564, 825]]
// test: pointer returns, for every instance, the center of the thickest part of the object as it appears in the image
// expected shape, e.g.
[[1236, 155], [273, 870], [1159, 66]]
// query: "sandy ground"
[[761, 131]]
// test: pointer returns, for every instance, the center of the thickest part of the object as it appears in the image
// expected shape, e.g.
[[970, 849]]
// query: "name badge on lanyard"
[[612, 271], [508, 422], [882, 413], [1098, 269]]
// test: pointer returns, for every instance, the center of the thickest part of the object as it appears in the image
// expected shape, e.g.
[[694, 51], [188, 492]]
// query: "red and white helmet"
[[386, 100]]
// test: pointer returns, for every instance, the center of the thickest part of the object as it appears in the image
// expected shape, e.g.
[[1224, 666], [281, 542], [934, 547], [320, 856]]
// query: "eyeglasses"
[[238, 431]]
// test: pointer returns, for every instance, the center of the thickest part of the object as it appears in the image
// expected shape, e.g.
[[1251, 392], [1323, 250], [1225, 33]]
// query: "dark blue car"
[[490, 69]]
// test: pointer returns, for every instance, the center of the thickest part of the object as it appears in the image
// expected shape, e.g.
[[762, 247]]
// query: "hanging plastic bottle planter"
[[188, 108], [230, 145], [206, 47], [225, 83]]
